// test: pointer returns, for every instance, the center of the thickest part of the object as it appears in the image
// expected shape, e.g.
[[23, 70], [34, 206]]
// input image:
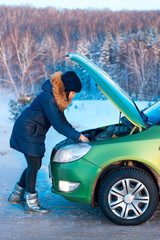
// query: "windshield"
[[153, 113]]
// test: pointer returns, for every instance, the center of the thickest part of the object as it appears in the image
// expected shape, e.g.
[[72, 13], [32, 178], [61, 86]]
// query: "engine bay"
[[108, 132], [103, 133]]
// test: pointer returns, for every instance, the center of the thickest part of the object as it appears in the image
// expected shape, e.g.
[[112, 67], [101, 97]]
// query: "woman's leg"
[[22, 181], [32, 203], [27, 181], [30, 173]]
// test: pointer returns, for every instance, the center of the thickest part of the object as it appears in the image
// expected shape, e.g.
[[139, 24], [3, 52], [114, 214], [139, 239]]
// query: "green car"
[[119, 169]]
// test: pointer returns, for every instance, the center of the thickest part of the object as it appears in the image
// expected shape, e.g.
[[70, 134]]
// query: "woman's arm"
[[64, 120], [52, 112]]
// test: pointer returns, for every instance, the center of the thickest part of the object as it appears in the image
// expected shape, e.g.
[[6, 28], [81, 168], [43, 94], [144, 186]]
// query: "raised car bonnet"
[[118, 97]]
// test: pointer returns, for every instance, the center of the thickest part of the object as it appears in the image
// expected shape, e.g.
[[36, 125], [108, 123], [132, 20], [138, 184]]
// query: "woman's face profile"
[[71, 95]]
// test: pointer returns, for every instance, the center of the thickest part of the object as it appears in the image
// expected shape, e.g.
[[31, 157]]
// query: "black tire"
[[128, 196]]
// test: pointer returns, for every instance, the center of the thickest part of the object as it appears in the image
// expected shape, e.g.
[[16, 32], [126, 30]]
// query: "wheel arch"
[[119, 164]]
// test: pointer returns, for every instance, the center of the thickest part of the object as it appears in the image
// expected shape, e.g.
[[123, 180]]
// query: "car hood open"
[[118, 97]]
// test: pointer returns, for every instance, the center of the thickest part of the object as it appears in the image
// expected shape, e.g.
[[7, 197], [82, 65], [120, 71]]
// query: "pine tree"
[[107, 57], [117, 76], [104, 58]]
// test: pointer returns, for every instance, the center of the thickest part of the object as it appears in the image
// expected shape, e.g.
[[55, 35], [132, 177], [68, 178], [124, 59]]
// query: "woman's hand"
[[83, 138]]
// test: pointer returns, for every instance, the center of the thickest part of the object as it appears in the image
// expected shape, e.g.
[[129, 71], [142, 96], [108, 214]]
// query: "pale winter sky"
[[114, 5]]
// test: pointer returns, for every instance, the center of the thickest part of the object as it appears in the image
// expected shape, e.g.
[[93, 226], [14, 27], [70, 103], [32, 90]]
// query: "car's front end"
[[75, 168], [119, 167], [73, 175]]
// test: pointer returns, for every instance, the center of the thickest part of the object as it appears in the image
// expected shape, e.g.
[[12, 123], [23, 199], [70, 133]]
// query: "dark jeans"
[[29, 175]]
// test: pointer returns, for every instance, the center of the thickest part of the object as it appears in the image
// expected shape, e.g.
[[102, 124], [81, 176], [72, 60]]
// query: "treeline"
[[126, 44]]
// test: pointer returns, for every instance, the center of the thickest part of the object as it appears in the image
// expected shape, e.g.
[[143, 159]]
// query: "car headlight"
[[71, 152]]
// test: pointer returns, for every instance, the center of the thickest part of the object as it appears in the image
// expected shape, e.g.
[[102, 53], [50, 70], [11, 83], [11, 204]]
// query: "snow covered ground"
[[82, 115]]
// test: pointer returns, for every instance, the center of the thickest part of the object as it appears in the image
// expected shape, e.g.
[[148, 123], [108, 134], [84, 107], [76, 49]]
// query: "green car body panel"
[[142, 147], [132, 147], [79, 171]]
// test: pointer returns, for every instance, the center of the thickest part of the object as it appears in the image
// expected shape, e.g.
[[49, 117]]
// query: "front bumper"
[[80, 171]]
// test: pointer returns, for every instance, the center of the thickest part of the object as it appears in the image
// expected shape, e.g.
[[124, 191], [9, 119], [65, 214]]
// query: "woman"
[[30, 130]]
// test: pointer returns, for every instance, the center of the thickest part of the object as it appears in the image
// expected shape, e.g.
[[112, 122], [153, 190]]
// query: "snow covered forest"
[[126, 44]]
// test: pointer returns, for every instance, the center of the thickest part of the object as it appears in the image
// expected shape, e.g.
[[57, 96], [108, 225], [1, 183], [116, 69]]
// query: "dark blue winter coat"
[[31, 126]]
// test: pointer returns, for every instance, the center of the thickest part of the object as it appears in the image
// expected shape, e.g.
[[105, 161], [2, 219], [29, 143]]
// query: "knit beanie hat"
[[71, 81]]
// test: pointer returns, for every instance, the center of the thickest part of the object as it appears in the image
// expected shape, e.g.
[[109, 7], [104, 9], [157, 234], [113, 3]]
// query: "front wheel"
[[128, 196]]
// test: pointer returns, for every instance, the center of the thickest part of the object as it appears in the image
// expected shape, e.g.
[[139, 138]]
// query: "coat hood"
[[58, 91], [47, 86], [119, 98]]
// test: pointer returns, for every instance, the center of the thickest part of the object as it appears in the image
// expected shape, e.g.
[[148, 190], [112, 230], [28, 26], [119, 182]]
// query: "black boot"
[[17, 196], [32, 204]]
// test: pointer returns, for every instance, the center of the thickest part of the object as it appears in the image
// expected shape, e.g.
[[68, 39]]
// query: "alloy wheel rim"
[[128, 198]]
